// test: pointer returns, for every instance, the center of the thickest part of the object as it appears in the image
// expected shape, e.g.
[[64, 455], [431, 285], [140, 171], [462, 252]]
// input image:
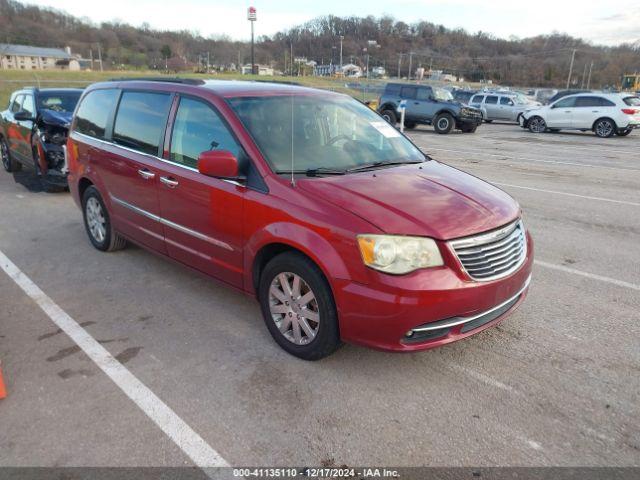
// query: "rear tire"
[[488, 121], [410, 125], [443, 123], [389, 115], [623, 132], [295, 298], [604, 128], [8, 162], [98, 223], [469, 129]]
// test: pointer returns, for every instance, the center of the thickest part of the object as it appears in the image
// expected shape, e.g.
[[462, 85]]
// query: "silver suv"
[[500, 106]]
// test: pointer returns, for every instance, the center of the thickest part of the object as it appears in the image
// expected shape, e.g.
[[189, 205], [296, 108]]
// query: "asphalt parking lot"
[[557, 383]]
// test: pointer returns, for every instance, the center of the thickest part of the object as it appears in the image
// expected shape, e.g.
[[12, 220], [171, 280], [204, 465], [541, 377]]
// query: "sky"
[[593, 20]]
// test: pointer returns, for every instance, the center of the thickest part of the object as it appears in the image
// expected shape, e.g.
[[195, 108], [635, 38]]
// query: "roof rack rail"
[[185, 81]]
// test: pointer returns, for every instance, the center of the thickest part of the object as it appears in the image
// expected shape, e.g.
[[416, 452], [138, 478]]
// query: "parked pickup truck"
[[428, 106]]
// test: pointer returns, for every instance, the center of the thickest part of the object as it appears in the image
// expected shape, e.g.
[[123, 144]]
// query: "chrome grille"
[[494, 254]]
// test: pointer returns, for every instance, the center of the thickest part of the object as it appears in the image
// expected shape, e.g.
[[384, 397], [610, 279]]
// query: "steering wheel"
[[337, 138]]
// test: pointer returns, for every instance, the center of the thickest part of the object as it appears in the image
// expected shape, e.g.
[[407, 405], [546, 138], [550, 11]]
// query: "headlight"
[[398, 254]]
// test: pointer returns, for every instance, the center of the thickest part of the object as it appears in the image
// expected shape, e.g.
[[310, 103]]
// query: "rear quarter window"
[[140, 121], [94, 112], [491, 99]]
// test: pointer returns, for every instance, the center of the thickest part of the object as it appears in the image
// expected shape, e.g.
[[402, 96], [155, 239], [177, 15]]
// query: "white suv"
[[605, 114]]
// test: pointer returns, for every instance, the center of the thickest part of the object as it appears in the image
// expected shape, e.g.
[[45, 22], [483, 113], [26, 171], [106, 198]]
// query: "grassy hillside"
[[11, 80]]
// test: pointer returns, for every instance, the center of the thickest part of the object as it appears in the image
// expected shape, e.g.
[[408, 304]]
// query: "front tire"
[[98, 223], [604, 128], [537, 125], [8, 162], [410, 125], [298, 307], [389, 115], [443, 123]]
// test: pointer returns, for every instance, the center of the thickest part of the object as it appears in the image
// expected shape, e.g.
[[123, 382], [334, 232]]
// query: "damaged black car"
[[33, 132]]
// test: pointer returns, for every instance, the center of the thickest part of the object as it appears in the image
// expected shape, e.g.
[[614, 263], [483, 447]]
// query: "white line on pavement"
[[592, 276], [169, 422], [528, 159], [587, 197]]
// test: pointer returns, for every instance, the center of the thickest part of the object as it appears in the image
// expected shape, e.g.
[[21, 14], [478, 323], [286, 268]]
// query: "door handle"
[[595, 111], [169, 182], [146, 174]]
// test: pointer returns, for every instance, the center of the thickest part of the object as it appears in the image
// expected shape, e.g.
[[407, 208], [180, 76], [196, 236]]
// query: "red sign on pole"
[[251, 14]]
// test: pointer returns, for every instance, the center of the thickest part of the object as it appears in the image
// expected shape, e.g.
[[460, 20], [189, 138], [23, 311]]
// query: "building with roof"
[[25, 57]]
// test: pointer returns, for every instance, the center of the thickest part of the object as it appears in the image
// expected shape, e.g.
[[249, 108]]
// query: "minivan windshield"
[[323, 134]]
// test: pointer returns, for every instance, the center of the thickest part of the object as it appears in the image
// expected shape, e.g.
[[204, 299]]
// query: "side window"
[[392, 89], [603, 102], [424, 94], [198, 128], [17, 104], [408, 92], [28, 105], [568, 102], [506, 101], [94, 112], [140, 120], [491, 99], [477, 99], [587, 101]]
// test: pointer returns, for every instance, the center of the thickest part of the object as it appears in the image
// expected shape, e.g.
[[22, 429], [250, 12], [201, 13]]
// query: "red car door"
[[129, 165], [202, 216]]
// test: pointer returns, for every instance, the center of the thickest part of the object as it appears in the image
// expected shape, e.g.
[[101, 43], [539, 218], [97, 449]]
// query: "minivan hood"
[[435, 200]]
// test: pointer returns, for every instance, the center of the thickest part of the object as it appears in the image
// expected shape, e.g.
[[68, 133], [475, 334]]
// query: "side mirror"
[[218, 164], [22, 116]]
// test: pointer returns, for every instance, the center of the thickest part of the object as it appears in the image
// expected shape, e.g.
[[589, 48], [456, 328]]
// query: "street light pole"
[[589, 77], [410, 61], [399, 62], [341, 39], [252, 16]]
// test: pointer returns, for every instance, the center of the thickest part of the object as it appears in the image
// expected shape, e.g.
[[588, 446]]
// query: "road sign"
[[251, 14]]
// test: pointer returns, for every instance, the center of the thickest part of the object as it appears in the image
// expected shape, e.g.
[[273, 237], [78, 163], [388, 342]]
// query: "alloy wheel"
[[443, 123], [4, 152], [294, 308], [96, 220], [537, 125], [604, 128]]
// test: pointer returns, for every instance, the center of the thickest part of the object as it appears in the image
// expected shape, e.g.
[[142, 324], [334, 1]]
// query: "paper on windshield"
[[385, 129]]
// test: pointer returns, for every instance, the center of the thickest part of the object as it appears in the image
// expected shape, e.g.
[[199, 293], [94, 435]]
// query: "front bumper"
[[56, 170], [438, 306]]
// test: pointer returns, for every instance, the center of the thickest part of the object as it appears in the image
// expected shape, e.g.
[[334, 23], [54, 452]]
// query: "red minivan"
[[305, 199]]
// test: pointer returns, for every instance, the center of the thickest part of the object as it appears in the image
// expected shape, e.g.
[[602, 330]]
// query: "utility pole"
[[208, 61], [410, 60], [291, 57], [251, 16], [341, 39], [573, 57], [584, 76], [399, 62], [100, 56], [91, 55], [589, 77]]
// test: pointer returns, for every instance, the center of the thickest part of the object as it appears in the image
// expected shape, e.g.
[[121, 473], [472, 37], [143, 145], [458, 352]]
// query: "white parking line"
[[586, 197], [592, 276], [528, 159], [169, 422]]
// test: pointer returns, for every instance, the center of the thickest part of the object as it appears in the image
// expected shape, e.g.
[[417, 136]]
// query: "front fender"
[[300, 238]]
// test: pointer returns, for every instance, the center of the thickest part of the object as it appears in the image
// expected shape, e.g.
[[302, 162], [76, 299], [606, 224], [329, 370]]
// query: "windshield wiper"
[[314, 172], [371, 166]]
